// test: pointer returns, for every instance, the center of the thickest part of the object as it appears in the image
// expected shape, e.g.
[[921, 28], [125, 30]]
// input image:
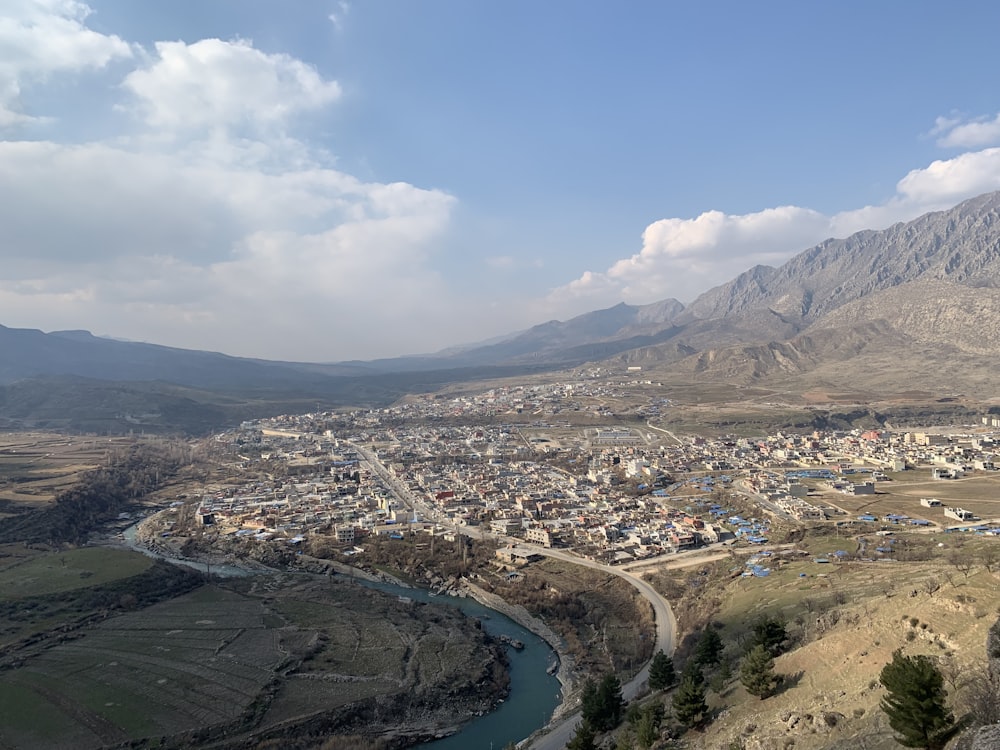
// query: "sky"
[[337, 180]]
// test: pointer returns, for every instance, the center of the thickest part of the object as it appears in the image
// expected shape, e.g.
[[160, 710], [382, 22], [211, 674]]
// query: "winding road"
[[557, 735]]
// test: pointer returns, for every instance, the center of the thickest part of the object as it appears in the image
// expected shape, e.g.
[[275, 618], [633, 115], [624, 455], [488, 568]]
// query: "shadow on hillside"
[[788, 681]]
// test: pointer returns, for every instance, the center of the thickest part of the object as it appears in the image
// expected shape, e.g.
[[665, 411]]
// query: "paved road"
[[672, 436], [666, 629], [666, 625]]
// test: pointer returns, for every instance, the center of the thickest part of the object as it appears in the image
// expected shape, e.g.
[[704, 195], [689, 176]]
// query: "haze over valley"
[[541, 375]]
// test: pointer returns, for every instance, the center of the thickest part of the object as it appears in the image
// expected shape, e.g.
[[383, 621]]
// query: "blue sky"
[[337, 180]]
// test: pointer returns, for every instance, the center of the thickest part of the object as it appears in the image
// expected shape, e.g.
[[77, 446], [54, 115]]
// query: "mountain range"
[[912, 307]]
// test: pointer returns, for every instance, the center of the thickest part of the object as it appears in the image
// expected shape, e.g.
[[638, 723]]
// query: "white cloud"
[[214, 84], [683, 257], [955, 132], [338, 16], [148, 242], [43, 38], [946, 182], [943, 124], [228, 233]]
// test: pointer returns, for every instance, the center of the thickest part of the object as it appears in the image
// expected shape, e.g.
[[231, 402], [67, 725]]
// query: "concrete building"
[[539, 535], [959, 514]]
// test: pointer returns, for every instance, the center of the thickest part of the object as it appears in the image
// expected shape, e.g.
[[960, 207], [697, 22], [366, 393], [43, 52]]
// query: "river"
[[534, 693]]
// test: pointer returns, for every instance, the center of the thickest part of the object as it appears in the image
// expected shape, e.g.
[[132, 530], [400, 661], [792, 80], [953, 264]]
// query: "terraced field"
[[261, 658], [35, 467], [195, 661]]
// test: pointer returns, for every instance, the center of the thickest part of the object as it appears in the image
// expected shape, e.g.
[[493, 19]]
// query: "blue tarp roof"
[[810, 474]]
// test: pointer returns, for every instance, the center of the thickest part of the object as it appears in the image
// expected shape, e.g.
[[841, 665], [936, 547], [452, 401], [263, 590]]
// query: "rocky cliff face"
[[897, 308], [914, 306], [930, 311], [961, 245], [988, 738]]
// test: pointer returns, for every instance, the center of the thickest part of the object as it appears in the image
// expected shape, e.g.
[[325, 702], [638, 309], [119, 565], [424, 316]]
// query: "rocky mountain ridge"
[[914, 306]]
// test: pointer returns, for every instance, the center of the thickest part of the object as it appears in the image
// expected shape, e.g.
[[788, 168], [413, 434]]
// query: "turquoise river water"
[[534, 693]]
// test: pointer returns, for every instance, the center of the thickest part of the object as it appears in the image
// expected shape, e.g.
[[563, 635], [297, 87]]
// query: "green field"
[[258, 655], [42, 574], [195, 661]]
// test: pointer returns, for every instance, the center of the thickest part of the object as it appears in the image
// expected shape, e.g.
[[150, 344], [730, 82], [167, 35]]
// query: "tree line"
[[915, 700], [99, 497]]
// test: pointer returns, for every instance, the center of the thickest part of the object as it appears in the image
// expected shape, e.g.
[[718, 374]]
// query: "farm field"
[[195, 661], [35, 467], [25, 572], [42, 590], [258, 655]]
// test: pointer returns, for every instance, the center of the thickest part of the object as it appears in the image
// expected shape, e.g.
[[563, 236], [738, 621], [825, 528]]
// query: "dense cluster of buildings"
[[615, 492]]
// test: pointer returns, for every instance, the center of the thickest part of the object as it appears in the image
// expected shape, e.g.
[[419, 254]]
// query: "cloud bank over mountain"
[[682, 257], [177, 191]]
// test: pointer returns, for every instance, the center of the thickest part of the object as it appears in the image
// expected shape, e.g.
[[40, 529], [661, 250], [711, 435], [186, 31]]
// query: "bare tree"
[[963, 561], [989, 556]]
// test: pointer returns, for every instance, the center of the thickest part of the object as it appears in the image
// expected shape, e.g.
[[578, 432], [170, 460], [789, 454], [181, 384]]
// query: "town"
[[613, 493]]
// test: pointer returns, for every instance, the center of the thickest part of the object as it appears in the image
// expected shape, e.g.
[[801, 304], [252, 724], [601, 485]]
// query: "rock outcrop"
[[988, 738]]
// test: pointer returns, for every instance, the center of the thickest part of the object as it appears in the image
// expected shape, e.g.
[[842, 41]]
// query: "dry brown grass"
[[35, 466], [846, 620]]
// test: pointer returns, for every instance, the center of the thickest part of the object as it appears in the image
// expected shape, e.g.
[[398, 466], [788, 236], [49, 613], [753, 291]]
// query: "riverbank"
[[535, 697], [566, 664]]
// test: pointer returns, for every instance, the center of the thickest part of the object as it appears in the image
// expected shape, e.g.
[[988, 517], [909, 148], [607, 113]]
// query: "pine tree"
[[757, 672], [689, 700], [589, 702], [708, 652], [610, 695], [915, 702], [583, 739], [647, 729], [661, 671], [601, 705], [770, 633]]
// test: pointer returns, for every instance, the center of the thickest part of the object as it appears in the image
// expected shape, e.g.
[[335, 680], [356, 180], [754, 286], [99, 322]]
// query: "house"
[[959, 514], [505, 526], [345, 534], [942, 473], [517, 555], [539, 535]]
